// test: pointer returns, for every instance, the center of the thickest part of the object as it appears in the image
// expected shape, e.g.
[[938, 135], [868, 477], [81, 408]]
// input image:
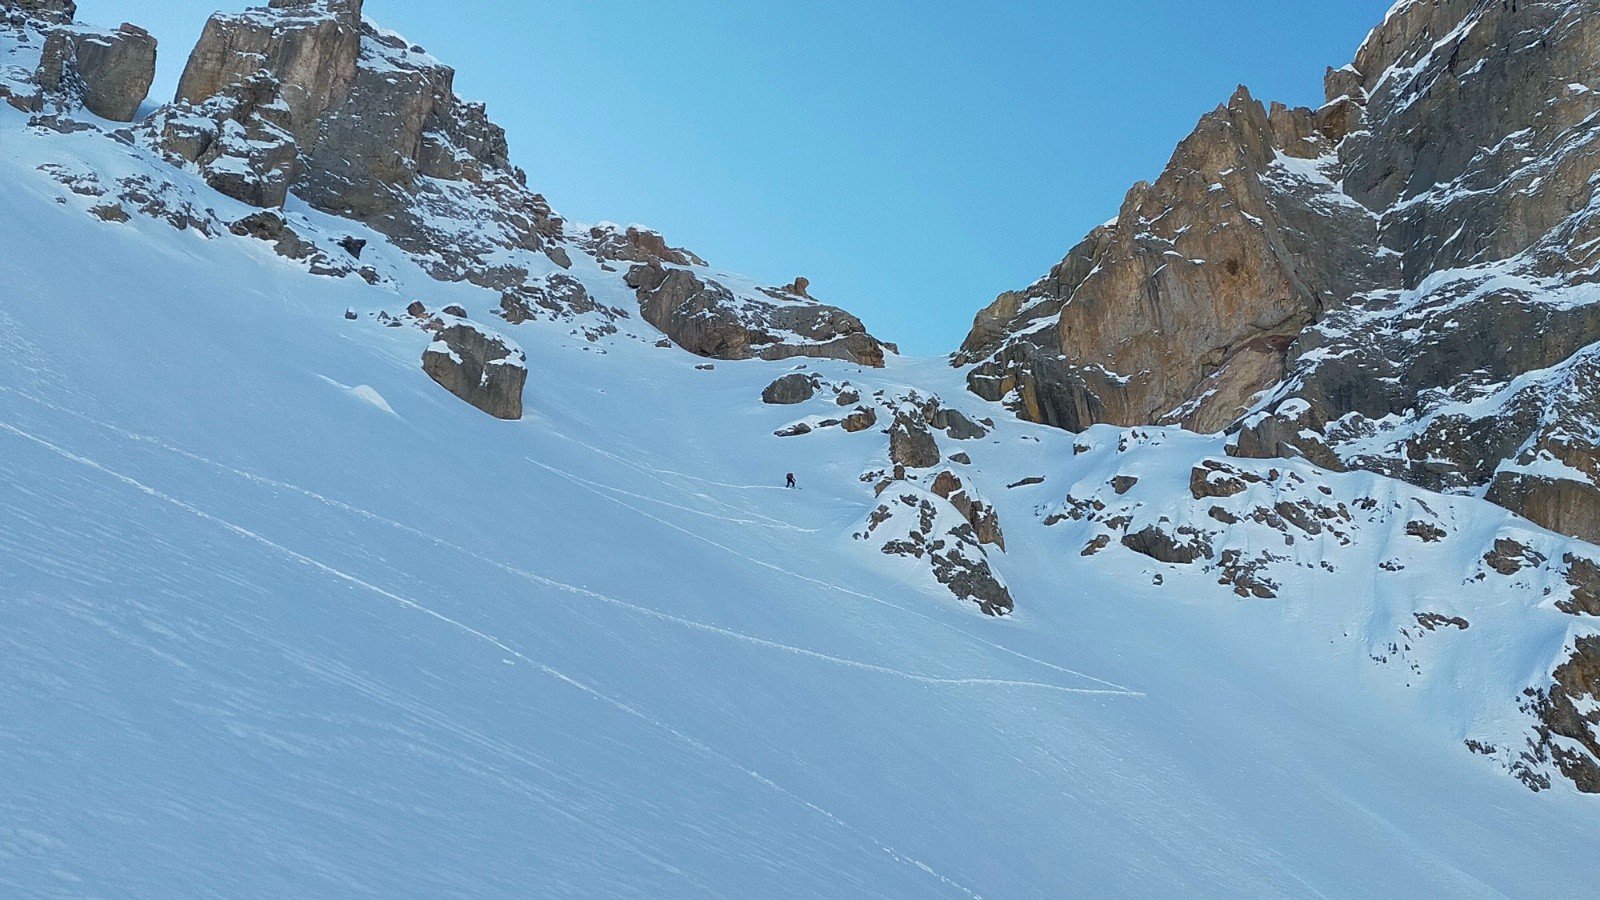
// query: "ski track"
[[652, 470], [1111, 688], [543, 668], [757, 523], [1114, 687], [659, 474]]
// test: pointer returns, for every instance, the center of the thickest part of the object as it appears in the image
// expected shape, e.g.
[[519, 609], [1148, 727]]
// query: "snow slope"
[[280, 617]]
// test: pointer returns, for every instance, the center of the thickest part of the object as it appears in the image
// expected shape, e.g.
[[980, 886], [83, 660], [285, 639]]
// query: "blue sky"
[[913, 159]]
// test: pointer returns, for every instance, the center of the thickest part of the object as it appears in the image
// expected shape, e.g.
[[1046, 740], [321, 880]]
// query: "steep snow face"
[[279, 616]]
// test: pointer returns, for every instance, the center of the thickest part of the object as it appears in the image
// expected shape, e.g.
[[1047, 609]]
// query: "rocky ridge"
[[309, 99]]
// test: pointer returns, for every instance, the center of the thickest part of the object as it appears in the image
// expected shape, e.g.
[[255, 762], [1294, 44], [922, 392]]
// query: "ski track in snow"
[[656, 472], [495, 642], [1110, 689], [755, 522]]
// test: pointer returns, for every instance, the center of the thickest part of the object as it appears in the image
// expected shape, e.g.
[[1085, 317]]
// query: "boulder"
[[480, 367], [270, 225], [1182, 545], [860, 419], [109, 72], [790, 389], [911, 445], [953, 423]]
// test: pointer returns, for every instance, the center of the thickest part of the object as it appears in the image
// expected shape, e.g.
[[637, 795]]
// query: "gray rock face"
[[481, 368], [108, 72], [309, 46], [369, 149], [241, 138], [1402, 280], [790, 389]]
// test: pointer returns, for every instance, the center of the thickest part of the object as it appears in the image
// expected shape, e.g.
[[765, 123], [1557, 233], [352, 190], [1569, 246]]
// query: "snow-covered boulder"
[[480, 367]]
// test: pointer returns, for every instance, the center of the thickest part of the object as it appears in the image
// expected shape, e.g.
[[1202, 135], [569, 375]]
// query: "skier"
[[790, 482]]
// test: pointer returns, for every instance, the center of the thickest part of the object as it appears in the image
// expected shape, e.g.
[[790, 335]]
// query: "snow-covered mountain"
[[367, 528]]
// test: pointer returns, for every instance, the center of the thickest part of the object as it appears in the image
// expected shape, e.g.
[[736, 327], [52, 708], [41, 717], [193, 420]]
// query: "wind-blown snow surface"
[[280, 617]]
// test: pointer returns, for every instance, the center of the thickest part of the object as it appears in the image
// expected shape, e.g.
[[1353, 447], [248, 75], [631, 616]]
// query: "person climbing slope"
[[789, 483]]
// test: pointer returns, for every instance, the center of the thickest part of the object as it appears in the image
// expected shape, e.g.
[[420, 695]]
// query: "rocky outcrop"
[[306, 98], [981, 516], [306, 95], [240, 138], [370, 128], [708, 319], [1404, 280], [1568, 731], [920, 526], [57, 66], [108, 72], [482, 368], [55, 12], [633, 244], [270, 225]]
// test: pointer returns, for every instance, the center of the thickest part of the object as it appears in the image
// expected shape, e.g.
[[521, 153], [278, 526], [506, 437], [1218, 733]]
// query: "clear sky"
[[913, 159]]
